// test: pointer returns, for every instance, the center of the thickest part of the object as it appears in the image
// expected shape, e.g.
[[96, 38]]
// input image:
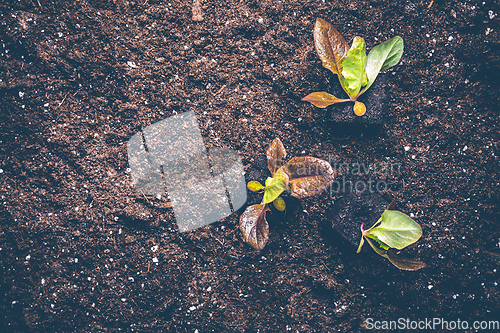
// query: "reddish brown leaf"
[[309, 176], [322, 99], [392, 206], [254, 226], [330, 46], [405, 263], [276, 153]]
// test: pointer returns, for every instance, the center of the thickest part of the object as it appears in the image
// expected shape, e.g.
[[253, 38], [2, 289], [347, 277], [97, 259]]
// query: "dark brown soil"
[[77, 243]]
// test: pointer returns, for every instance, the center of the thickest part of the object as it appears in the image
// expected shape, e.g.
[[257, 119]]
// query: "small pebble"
[[132, 64]]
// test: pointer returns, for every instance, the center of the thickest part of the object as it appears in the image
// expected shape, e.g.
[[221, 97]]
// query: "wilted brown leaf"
[[254, 226], [309, 176], [322, 99], [405, 263], [330, 45], [276, 153]]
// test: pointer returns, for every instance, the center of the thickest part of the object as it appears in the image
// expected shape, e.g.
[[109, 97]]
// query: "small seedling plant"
[[301, 176], [393, 230], [356, 71]]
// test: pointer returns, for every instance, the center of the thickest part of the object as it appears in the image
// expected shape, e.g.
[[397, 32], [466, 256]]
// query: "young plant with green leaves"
[[356, 71], [301, 176], [393, 230]]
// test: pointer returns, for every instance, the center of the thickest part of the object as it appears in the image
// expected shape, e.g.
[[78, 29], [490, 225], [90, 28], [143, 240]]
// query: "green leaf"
[[276, 153], [361, 242], [255, 186], [396, 230], [382, 57], [353, 68], [380, 243], [308, 176], [330, 46], [275, 186], [322, 99], [279, 203], [379, 251], [254, 226]]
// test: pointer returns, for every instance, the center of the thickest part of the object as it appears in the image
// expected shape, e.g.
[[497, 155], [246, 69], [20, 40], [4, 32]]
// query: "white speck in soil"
[[430, 286], [155, 260], [132, 64]]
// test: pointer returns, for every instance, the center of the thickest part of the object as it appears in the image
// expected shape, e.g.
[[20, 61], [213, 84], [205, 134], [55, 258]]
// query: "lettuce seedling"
[[393, 230], [303, 176], [356, 71]]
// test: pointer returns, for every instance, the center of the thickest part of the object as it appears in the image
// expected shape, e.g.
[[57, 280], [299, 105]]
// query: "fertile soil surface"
[[81, 250]]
